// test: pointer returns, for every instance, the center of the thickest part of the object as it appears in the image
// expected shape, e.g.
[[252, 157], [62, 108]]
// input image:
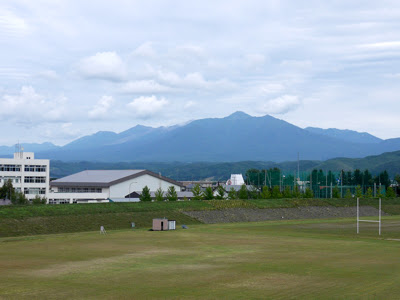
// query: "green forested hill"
[[389, 161]]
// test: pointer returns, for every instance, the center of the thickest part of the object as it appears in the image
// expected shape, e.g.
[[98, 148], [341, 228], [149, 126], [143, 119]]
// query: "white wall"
[[70, 197], [122, 189]]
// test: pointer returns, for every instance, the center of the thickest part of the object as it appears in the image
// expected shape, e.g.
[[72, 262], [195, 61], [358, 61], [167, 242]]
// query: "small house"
[[160, 224]]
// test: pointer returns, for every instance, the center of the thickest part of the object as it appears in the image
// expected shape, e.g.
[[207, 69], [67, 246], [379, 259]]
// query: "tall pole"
[[358, 216], [298, 165], [265, 175], [341, 182], [326, 184], [379, 216]]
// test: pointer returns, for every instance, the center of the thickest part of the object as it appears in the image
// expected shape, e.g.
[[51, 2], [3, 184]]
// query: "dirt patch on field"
[[303, 212]]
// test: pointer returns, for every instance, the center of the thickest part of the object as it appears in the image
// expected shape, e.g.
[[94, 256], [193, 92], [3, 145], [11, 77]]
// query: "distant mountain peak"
[[238, 115]]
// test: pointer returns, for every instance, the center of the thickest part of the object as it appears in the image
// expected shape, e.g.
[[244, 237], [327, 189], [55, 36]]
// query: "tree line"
[[274, 176]]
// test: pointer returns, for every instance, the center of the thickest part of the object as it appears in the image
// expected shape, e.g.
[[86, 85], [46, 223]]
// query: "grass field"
[[309, 259], [47, 219]]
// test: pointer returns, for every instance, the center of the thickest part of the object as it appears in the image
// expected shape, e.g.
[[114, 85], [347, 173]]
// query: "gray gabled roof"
[[105, 178]]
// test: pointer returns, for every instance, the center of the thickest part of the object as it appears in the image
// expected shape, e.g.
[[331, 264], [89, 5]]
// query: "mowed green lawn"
[[318, 259]]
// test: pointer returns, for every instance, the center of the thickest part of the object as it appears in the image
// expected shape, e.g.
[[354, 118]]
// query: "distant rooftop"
[[104, 178]]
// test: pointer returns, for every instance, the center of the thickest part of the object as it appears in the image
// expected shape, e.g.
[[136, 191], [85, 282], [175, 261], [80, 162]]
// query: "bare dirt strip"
[[303, 212]]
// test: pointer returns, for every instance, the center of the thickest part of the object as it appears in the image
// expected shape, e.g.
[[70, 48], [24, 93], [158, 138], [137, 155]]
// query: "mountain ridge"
[[237, 137]]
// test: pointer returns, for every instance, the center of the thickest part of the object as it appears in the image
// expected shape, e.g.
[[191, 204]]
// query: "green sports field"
[[318, 259]]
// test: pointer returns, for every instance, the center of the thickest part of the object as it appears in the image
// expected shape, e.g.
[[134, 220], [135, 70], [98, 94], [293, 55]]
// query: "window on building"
[[35, 179], [35, 168], [34, 191], [10, 168], [79, 190]]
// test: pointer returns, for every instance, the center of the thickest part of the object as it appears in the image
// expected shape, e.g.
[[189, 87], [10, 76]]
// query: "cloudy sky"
[[72, 68]]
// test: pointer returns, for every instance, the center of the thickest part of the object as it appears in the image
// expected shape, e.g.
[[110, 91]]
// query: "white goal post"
[[371, 221]]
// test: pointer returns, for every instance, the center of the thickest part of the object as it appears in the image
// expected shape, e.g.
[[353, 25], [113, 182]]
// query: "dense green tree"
[[197, 194], [367, 178], [265, 193], [145, 196], [253, 192], [380, 193], [335, 192], [232, 194], [220, 193], [308, 193], [382, 179], [349, 178], [358, 193], [7, 191], [38, 200], [208, 193], [171, 194], [276, 193], [159, 195], [243, 194], [331, 178], [19, 199], [397, 178], [368, 194], [296, 192], [348, 194], [287, 192], [357, 177], [390, 192]]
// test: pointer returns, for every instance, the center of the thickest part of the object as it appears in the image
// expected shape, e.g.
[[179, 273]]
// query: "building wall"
[[60, 198], [160, 224], [26, 164], [116, 191], [122, 189]]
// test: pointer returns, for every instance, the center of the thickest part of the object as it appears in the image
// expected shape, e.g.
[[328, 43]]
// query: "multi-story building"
[[28, 175]]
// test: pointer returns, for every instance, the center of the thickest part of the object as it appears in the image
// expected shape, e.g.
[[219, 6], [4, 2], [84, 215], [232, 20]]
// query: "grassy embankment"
[[313, 259], [31, 220]]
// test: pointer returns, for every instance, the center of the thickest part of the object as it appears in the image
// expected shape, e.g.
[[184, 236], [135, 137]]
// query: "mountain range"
[[238, 137]]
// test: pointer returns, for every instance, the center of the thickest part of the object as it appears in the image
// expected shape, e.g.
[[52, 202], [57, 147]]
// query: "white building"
[[236, 179], [27, 174], [95, 186]]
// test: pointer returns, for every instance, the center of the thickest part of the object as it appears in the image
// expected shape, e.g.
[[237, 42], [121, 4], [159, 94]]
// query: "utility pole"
[[341, 182], [326, 185]]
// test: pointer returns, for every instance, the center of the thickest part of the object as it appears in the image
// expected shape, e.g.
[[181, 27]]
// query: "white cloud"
[[297, 64], [102, 109], [28, 107], [147, 107], [144, 87], [145, 50], [193, 80], [103, 65], [281, 105], [191, 50], [255, 61], [11, 24], [63, 131], [48, 74], [382, 45], [190, 104], [271, 88]]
